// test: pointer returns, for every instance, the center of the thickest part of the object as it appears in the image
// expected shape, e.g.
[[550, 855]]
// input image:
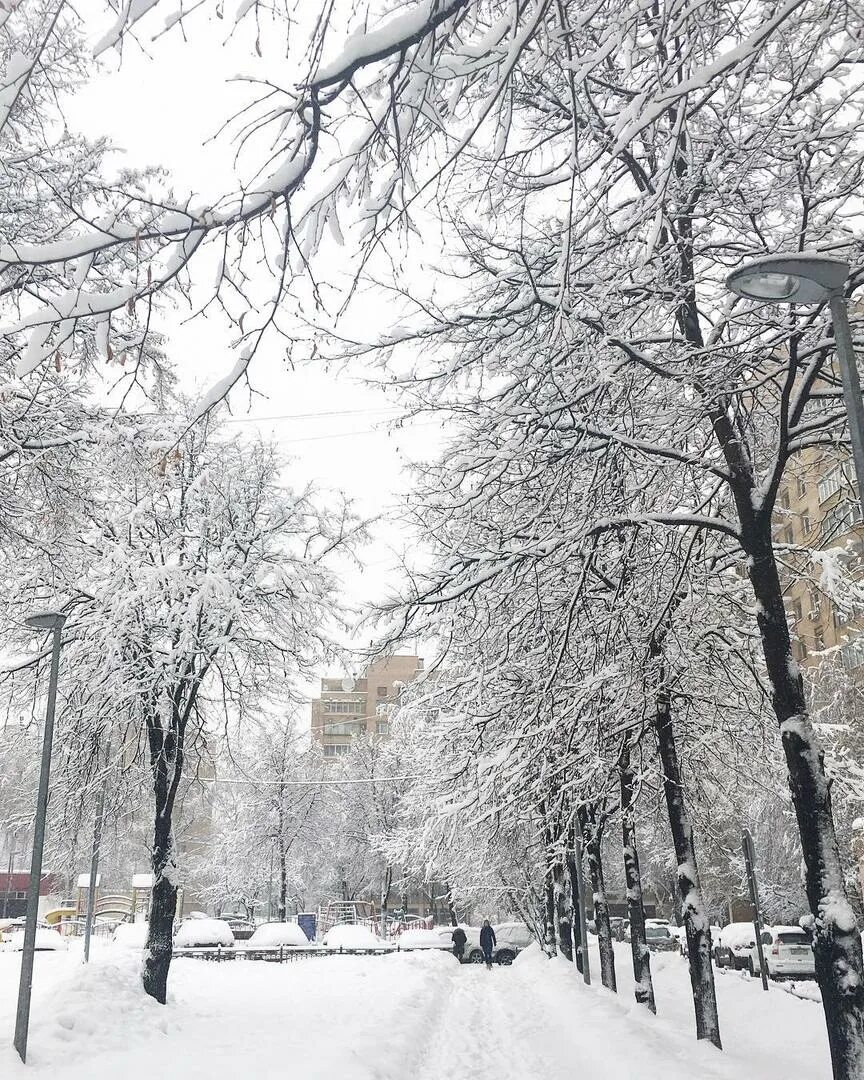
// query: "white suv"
[[788, 953], [510, 940]]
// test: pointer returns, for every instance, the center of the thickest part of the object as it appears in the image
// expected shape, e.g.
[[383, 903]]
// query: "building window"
[[796, 611], [830, 483], [815, 599], [852, 654], [784, 499], [354, 708], [336, 749], [839, 519], [344, 727], [382, 691], [802, 487], [806, 524], [382, 727], [784, 535]]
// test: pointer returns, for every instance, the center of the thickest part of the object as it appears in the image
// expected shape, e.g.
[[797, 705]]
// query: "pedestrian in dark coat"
[[459, 940], [487, 942]]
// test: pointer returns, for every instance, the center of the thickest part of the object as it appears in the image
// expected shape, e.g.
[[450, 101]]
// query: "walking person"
[[487, 942], [459, 940]]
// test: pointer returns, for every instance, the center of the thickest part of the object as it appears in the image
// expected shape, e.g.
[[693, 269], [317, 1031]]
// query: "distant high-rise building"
[[347, 708]]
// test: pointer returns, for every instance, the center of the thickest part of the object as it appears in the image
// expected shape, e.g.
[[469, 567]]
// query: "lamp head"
[[45, 620], [805, 277]]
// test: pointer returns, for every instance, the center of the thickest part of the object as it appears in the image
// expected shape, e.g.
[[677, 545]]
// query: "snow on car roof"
[[737, 934]]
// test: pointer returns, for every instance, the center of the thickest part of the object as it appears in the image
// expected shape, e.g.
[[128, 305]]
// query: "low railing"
[[282, 953]]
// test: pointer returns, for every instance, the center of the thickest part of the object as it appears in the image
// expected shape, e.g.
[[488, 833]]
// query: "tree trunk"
[[593, 836], [563, 911], [386, 885], [551, 948], [574, 907], [689, 890], [451, 911], [644, 984], [837, 944], [163, 906]]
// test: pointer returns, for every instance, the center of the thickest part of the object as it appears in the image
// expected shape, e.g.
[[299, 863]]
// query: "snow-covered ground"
[[394, 1016]]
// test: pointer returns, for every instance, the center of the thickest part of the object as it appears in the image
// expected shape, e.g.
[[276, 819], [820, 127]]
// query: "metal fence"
[[282, 953]]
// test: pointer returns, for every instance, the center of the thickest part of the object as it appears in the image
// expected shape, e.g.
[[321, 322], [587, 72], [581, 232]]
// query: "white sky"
[[163, 109]]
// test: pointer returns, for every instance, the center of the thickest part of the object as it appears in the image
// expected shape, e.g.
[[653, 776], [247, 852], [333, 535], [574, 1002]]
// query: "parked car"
[[203, 933], [618, 926], [734, 944], [268, 937], [659, 937], [714, 930], [47, 938], [510, 940], [788, 953]]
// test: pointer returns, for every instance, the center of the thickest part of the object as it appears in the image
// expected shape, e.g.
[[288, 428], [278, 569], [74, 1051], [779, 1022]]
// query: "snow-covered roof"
[[84, 881], [142, 881]]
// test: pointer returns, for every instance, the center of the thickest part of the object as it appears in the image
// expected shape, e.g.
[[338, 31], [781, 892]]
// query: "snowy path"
[[489, 1031], [505, 1024]]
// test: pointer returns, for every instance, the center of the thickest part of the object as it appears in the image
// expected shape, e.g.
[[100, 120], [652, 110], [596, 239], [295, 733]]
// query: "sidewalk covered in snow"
[[391, 1017]]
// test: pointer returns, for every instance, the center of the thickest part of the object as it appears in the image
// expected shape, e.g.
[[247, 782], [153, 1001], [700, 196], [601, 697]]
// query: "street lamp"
[[807, 277], [48, 620]]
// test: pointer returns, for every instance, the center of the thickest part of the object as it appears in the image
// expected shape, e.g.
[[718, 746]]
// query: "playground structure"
[[363, 913], [109, 909]]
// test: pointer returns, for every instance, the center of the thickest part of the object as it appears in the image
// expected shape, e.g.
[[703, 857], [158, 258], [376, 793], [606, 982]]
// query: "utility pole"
[[750, 864], [580, 898]]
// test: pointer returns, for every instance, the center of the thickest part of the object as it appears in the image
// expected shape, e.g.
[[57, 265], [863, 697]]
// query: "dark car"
[[660, 938]]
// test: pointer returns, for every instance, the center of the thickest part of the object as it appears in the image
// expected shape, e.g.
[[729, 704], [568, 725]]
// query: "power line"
[[305, 783], [308, 416]]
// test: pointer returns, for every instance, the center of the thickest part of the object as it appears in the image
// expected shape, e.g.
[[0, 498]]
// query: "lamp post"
[[49, 620], [807, 277]]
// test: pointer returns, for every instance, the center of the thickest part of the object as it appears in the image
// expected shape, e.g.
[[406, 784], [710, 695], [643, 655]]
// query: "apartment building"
[[348, 707], [818, 508]]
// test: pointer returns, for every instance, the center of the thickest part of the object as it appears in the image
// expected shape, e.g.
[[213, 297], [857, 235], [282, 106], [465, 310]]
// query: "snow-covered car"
[[734, 944], [510, 940], [713, 929], [47, 939], [472, 938], [659, 937], [352, 937], [425, 939], [269, 938], [203, 934], [788, 954]]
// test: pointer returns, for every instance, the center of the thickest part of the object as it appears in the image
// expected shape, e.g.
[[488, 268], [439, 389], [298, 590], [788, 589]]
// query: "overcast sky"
[[164, 109]]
